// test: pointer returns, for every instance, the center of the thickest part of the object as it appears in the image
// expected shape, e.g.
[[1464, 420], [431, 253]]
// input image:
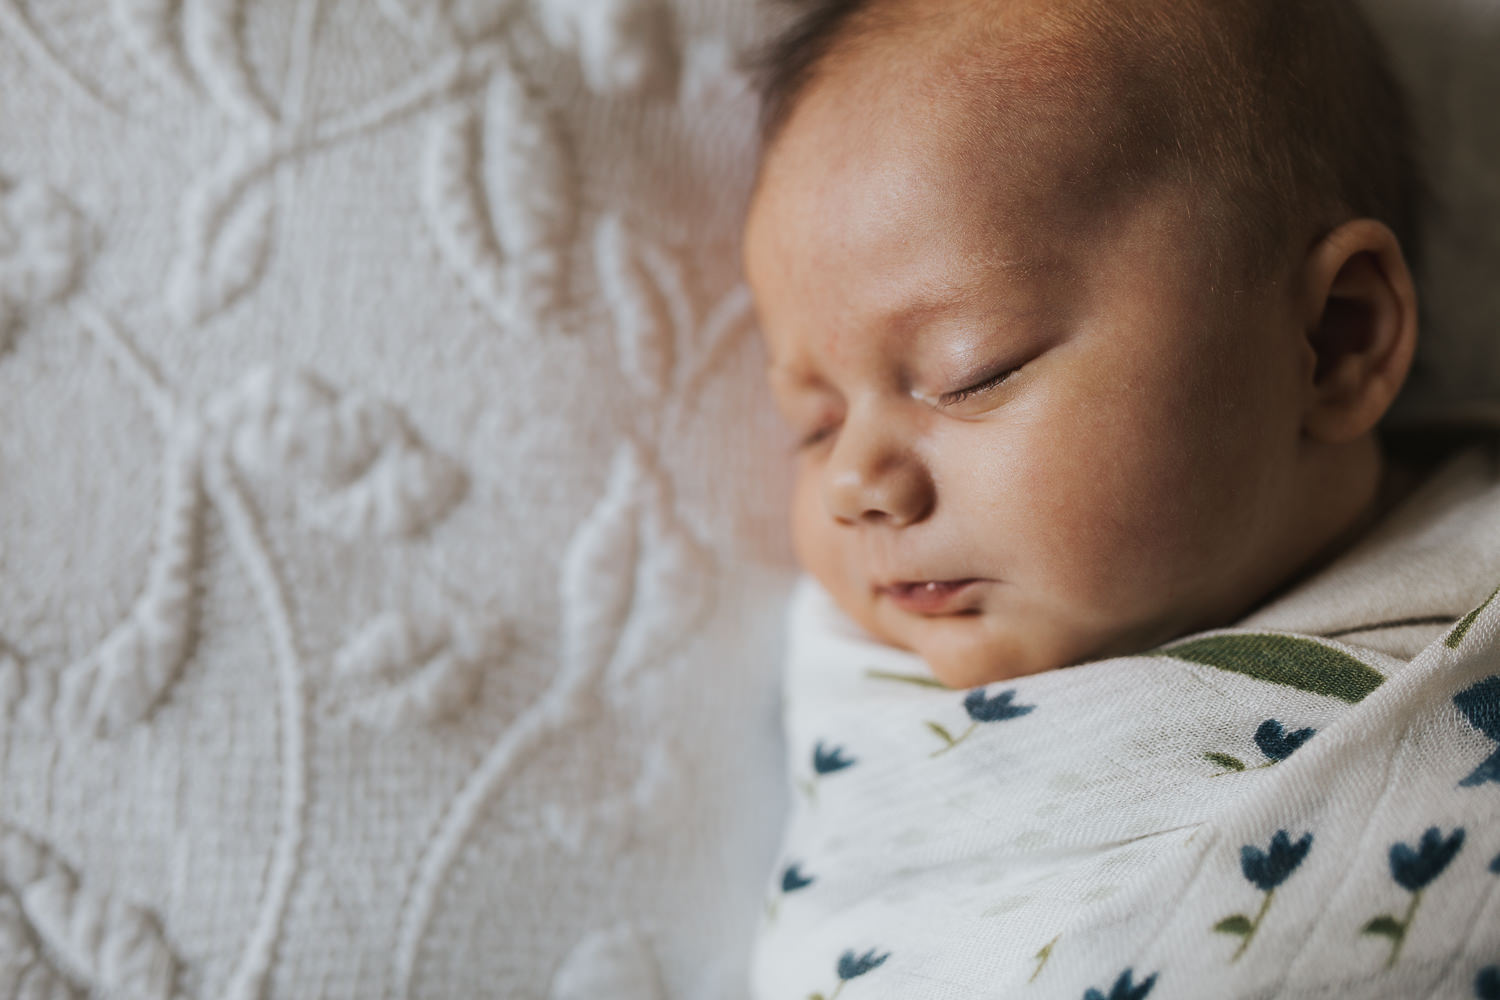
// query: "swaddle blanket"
[[1307, 805]]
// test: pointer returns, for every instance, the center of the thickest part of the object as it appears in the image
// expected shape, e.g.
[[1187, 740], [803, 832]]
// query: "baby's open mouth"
[[933, 597]]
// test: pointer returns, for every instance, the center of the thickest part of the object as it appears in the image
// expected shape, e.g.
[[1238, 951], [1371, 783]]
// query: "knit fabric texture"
[[391, 547]]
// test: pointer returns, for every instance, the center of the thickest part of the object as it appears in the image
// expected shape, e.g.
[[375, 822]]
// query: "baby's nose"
[[870, 480]]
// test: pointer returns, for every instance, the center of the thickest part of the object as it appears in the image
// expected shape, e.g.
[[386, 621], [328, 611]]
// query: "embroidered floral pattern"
[[41, 251], [403, 668], [49, 915], [1414, 869], [353, 465], [1266, 870]]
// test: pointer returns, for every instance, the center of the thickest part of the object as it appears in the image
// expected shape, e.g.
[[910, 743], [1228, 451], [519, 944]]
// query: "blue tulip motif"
[[1278, 744], [852, 966], [1266, 870], [1487, 983], [981, 709], [825, 761], [1414, 869], [1274, 742], [1125, 988], [793, 879], [829, 761], [1480, 704]]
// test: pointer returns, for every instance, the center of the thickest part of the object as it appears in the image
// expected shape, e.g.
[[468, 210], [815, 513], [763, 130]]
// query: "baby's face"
[[1033, 429]]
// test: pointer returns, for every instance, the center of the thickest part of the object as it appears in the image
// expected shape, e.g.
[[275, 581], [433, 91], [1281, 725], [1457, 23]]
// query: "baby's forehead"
[[1011, 88]]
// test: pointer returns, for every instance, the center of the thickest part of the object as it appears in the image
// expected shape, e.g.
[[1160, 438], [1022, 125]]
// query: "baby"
[[1085, 311], [1086, 314]]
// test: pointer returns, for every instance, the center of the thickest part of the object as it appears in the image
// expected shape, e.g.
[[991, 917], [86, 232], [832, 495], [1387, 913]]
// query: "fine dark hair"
[[1289, 109]]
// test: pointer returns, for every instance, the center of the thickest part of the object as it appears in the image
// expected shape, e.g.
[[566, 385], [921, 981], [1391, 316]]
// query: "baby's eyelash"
[[816, 437], [993, 382]]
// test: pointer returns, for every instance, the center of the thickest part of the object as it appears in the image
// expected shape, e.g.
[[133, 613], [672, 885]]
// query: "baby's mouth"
[[933, 597]]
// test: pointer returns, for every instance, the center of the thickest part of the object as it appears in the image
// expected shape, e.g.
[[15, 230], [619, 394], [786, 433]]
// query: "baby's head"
[[1084, 311]]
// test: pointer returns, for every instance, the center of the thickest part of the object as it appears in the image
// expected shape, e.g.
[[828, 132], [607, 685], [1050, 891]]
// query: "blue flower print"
[[1278, 744], [852, 966], [1274, 742], [826, 761], [1414, 869], [996, 709], [1125, 988], [981, 709], [792, 879], [1266, 870], [1487, 983], [1495, 865], [1480, 704]]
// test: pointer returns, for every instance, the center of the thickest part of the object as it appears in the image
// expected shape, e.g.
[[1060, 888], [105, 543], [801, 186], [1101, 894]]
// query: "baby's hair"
[[1286, 110]]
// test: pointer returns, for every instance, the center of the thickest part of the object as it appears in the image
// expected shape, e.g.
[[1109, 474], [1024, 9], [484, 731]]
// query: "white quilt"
[[1251, 813], [383, 457]]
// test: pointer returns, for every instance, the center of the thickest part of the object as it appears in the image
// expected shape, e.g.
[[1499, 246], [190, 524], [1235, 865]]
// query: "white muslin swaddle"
[[1306, 805]]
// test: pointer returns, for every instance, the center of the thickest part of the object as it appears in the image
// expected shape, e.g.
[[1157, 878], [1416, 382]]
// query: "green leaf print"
[[1225, 761], [915, 680], [1237, 924], [1467, 622], [1283, 659], [1386, 926], [942, 732]]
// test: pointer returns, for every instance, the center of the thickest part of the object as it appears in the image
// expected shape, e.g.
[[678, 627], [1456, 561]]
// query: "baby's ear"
[[1361, 329]]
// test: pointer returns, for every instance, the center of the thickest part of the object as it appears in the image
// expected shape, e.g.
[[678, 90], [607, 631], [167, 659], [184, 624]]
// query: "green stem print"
[[1414, 869], [949, 740], [916, 680], [1042, 957]]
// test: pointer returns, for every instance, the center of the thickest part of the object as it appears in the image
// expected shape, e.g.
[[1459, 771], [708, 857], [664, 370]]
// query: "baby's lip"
[[932, 597]]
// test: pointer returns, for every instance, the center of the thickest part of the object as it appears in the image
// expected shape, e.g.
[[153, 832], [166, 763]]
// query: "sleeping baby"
[[1086, 314]]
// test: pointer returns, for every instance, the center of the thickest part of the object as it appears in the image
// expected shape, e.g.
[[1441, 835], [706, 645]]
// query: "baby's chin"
[[972, 650]]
